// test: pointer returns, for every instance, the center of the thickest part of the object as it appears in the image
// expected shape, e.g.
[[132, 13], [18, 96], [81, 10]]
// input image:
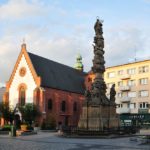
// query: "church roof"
[[58, 76]]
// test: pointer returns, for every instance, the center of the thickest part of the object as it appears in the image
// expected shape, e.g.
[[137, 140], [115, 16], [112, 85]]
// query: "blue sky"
[[65, 27]]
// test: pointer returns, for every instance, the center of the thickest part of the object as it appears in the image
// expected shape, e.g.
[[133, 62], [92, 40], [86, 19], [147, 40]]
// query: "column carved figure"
[[98, 111], [98, 91]]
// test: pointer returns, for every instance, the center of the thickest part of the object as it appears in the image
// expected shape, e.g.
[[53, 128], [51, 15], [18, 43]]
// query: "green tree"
[[29, 112], [6, 112]]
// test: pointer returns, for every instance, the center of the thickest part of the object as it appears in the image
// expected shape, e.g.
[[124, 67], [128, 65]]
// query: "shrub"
[[6, 112], [6, 128]]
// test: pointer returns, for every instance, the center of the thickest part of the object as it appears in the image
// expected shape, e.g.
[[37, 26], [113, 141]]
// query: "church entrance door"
[[66, 120]]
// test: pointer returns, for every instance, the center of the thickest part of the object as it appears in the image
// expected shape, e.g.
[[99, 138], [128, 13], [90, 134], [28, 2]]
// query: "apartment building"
[[132, 83]]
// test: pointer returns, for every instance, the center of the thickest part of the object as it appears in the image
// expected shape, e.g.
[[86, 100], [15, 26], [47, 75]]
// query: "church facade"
[[56, 88]]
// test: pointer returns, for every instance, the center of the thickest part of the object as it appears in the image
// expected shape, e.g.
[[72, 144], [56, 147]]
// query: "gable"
[[22, 78], [25, 76], [24, 54]]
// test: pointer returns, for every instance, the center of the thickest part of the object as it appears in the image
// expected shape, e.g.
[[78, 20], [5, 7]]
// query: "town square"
[[51, 141], [74, 75]]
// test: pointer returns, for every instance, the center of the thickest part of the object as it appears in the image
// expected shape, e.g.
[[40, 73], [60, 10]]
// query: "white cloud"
[[15, 9], [123, 41], [47, 40], [120, 43], [62, 48], [8, 53]]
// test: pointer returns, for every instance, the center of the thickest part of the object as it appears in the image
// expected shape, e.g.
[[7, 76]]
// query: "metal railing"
[[98, 132]]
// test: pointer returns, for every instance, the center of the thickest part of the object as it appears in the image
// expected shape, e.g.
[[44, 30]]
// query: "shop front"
[[138, 120]]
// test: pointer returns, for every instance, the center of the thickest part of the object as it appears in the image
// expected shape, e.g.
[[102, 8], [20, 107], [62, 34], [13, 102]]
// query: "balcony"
[[125, 77], [143, 111], [125, 99], [123, 110], [124, 88]]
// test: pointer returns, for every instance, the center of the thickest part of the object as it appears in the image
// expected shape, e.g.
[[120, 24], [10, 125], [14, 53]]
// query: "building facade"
[[55, 88], [59, 90], [132, 83]]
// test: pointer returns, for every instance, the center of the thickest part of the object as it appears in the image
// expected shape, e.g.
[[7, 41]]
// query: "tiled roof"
[[58, 76]]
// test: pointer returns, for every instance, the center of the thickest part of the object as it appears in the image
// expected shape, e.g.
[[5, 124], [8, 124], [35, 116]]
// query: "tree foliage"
[[6, 112], [29, 112]]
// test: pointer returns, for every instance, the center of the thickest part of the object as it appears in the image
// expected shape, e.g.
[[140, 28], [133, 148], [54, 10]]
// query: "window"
[[143, 69], [131, 71], [144, 81], [120, 83], [111, 74], [143, 105], [109, 85], [120, 95], [120, 105], [120, 72], [140, 105], [22, 95], [131, 94], [132, 105], [75, 106], [131, 82], [63, 106], [143, 93], [50, 104], [22, 71]]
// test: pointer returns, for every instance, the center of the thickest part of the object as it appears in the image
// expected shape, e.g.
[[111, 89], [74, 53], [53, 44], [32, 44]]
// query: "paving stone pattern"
[[51, 141]]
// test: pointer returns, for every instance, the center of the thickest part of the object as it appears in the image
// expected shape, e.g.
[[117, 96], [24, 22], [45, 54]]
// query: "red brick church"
[[56, 88]]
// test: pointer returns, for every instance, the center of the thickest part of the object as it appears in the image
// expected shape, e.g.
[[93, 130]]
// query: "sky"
[[60, 29]]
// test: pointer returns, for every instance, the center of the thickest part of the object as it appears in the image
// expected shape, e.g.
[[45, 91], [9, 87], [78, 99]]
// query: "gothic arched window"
[[50, 104], [22, 95], [63, 106]]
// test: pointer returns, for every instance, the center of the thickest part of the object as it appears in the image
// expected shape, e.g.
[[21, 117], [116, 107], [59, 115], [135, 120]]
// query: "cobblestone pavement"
[[50, 141]]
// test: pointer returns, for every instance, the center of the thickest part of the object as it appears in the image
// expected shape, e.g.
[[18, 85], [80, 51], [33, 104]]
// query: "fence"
[[96, 131]]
